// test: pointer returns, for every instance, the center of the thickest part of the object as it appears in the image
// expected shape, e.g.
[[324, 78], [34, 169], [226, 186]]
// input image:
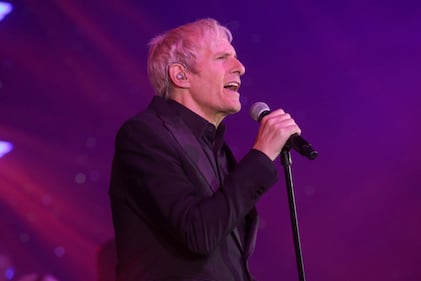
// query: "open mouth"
[[232, 86]]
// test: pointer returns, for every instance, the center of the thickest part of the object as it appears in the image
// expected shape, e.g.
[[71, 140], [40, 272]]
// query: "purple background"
[[71, 71]]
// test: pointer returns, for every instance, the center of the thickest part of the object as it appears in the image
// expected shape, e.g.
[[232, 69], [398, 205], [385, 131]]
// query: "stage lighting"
[[5, 147], [5, 8]]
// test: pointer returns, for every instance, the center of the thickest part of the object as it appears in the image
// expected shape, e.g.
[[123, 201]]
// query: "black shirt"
[[210, 138], [213, 143]]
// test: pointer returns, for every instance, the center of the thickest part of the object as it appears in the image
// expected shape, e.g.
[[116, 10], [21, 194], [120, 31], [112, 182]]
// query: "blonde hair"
[[179, 45]]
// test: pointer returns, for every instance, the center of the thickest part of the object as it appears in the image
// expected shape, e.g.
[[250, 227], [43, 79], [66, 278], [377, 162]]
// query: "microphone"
[[260, 109]]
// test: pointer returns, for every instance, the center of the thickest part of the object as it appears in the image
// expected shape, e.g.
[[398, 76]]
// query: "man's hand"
[[275, 130]]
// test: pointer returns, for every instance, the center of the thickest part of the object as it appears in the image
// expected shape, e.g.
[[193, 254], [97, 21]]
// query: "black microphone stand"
[[286, 162]]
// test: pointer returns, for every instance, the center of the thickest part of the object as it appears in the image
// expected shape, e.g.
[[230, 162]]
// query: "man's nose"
[[238, 67]]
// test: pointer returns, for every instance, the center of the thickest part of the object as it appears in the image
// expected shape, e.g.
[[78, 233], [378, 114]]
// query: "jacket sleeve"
[[152, 174]]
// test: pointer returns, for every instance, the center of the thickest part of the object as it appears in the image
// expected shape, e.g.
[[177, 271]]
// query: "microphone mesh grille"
[[258, 108]]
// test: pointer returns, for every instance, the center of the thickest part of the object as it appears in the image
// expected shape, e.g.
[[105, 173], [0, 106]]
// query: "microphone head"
[[257, 109]]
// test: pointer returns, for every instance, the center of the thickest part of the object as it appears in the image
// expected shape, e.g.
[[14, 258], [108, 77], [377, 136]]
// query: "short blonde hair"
[[179, 45]]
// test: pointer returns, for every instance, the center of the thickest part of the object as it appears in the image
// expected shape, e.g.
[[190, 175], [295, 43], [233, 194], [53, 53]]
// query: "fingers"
[[275, 130], [280, 120]]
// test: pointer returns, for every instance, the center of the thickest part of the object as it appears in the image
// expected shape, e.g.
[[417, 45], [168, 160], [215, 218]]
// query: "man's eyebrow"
[[227, 53]]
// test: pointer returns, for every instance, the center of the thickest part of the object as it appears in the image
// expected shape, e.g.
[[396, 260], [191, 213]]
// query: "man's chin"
[[234, 109]]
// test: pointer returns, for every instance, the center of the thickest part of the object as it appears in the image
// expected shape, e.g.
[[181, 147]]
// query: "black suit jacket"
[[171, 221]]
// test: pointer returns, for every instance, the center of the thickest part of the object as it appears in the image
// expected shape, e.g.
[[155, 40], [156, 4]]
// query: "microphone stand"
[[286, 162]]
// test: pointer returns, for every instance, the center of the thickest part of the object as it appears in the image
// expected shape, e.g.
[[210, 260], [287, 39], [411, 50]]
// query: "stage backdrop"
[[71, 71]]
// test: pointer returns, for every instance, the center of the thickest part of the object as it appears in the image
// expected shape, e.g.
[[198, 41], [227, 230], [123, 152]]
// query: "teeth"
[[232, 84]]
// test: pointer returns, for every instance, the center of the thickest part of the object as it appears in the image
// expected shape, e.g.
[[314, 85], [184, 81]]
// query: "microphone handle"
[[296, 142], [302, 146]]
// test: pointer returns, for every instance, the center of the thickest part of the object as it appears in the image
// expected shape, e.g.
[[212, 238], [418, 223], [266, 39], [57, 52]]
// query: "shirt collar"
[[200, 127]]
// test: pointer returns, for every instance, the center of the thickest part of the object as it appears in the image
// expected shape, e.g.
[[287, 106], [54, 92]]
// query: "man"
[[183, 209]]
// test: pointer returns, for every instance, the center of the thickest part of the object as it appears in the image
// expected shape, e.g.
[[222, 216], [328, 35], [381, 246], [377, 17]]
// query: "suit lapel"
[[192, 148]]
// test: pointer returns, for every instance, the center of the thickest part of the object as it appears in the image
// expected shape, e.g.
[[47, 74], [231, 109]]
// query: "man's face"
[[214, 87]]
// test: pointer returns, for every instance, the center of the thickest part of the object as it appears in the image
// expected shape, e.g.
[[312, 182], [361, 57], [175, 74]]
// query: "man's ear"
[[177, 73]]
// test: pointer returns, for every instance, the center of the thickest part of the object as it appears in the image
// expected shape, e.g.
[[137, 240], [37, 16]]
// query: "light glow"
[[5, 8], [5, 147]]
